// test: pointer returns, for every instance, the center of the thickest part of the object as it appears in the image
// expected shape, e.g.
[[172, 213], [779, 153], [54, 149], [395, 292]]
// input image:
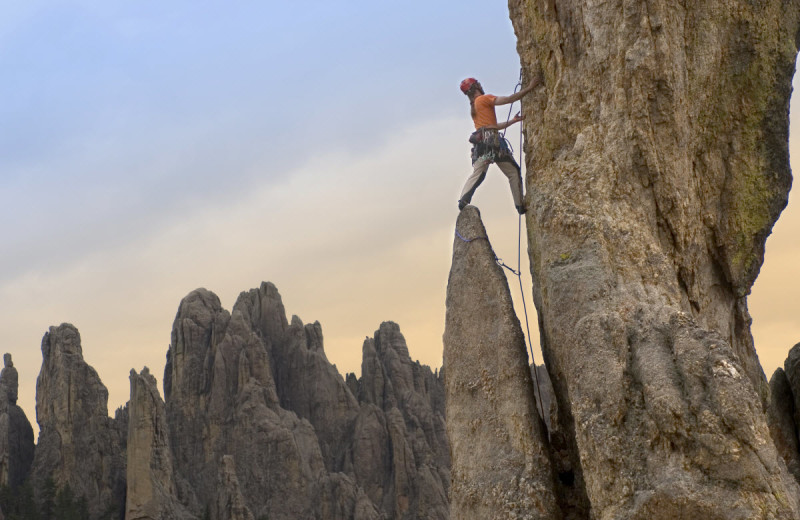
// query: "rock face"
[[656, 167], [252, 399], [16, 434], [79, 444], [501, 465], [151, 489], [230, 503]]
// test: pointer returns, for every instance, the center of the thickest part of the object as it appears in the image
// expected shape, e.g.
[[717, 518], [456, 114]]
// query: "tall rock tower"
[[656, 166], [79, 444]]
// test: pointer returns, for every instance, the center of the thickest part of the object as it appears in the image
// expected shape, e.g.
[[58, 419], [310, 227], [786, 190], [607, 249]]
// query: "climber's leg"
[[511, 170], [479, 168]]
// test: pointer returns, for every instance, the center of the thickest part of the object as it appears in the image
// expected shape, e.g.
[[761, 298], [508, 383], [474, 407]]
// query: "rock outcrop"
[[16, 433], [501, 464], [151, 488], [656, 167], [79, 444], [252, 386]]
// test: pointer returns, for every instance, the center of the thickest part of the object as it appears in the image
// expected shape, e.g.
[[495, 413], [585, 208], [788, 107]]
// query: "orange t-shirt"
[[484, 111]]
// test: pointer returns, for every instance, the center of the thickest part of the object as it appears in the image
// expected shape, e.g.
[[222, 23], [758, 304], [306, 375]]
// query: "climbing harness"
[[518, 271]]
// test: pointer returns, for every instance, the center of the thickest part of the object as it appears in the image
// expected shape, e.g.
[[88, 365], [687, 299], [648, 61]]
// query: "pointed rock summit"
[[500, 467], [79, 444], [16, 433]]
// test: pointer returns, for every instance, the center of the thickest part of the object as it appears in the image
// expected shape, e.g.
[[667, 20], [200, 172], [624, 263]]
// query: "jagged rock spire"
[[79, 444], [501, 466], [16, 434]]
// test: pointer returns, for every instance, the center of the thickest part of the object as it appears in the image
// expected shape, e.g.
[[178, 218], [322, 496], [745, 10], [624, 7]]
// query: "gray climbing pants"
[[507, 165]]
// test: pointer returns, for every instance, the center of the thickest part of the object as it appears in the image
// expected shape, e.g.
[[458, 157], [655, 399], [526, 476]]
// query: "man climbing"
[[488, 145]]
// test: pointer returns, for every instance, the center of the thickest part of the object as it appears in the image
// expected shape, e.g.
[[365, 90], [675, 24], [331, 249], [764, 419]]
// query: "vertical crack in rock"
[[656, 166], [500, 462]]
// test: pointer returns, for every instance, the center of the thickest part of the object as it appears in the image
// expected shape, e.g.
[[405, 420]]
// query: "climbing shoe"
[[521, 209], [461, 205]]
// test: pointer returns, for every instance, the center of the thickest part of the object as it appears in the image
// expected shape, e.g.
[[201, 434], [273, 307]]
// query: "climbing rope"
[[518, 271]]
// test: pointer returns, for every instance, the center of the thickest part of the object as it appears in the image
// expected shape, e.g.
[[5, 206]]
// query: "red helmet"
[[467, 84]]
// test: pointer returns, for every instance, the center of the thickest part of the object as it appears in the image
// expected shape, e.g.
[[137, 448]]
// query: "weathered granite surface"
[[656, 165]]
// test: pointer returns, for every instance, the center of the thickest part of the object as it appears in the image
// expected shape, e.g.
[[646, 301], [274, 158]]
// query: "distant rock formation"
[[16, 433], [79, 444], [402, 418], [221, 399], [256, 423], [501, 462], [252, 398]]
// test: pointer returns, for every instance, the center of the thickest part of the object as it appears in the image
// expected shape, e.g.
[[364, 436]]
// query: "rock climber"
[[488, 145]]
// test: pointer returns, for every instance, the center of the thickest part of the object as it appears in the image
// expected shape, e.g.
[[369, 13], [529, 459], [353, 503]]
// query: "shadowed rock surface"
[[783, 410], [500, 462], [79, 444], [782, 417], [16, 433]]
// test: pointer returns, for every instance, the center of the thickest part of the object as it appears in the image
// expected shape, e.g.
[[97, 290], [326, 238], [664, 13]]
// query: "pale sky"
[[151, 148]]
